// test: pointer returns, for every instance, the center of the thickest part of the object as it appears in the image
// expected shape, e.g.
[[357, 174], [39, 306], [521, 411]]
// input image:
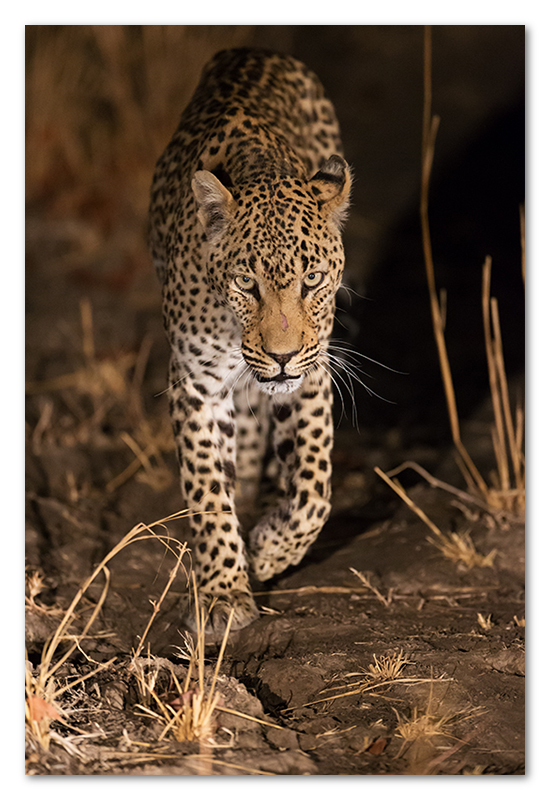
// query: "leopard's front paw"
[[272, 560], [272, 551], [281, 540], [214, 612], [263, 567]]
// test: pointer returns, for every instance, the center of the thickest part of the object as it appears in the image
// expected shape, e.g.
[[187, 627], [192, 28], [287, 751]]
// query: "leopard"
[[247, 207]]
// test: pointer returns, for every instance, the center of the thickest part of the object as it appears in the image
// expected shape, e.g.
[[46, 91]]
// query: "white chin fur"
[[281, 387]]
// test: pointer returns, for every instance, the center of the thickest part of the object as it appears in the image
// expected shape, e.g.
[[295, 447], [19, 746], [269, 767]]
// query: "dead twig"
[[366, 582]]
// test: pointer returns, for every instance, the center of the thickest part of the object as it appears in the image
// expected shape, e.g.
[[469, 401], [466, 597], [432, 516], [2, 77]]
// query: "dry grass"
[[423, 729], [508, 483], [109, 385], [365, 580], [388, 668], [458, 547], [420, 732], [485, 623], [43, 690], [384, 672], [506, 492], [507, 489], [101, 104], [34, 586], [192, 716]]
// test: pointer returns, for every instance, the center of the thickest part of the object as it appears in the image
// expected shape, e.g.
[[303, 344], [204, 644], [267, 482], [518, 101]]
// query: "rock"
[[512, 662], [290, 683], [285, 739], [114, 694]]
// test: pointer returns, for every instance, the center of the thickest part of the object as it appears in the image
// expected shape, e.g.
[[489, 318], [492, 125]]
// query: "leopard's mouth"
[[282, 383], [281, 377]]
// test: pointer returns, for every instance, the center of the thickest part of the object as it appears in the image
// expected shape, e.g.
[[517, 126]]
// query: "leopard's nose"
[[283, 358]]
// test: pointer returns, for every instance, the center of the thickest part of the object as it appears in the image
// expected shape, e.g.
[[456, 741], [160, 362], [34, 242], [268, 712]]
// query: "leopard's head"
[[276, 259]]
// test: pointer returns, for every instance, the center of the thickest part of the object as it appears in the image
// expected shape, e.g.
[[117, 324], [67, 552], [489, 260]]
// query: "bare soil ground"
[[379, 654]]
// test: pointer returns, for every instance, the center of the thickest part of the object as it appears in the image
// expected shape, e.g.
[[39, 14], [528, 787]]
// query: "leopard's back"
[[248, 103]]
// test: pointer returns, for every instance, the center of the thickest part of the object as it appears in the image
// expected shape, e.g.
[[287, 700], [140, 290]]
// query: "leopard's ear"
[[332, 185], [214, 202]]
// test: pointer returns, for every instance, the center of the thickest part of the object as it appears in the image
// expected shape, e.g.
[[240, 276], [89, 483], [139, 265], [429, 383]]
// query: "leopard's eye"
[[245, 283], [313, 279]]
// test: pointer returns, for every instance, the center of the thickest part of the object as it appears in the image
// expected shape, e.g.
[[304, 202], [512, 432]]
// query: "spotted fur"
[[247, 204]]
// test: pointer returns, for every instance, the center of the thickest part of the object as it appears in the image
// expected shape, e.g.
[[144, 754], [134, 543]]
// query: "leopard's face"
[[276, 259]]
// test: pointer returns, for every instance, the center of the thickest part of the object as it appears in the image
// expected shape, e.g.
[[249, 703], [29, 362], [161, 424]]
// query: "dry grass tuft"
[[508, 483], [383, 673], [42, 688], [485, 623], [423, 730], [34, 586], [388, 668], [430, 722], [458, 547], [191, 717]]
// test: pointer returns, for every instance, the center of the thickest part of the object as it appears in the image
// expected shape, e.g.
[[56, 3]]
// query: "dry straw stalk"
[[507, 494]]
